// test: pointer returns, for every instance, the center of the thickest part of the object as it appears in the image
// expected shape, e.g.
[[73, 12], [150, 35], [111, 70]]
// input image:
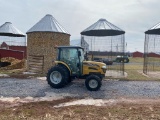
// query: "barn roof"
[[4, 44], [102, 28], [7, 29], [47, 24], [154, 30]]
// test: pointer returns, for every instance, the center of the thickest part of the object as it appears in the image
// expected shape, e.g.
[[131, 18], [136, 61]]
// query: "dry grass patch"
[[45, 110]]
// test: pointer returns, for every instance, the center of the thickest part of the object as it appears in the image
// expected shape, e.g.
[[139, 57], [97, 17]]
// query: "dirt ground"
[[72, 108], [155, 74], [151, 74], [79, 109]]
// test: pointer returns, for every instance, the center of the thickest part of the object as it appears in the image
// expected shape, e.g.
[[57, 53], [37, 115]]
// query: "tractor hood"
[[93, 63], [94, 67]]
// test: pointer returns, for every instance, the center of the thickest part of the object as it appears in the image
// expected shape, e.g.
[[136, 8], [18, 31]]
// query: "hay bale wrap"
[[42, 45]]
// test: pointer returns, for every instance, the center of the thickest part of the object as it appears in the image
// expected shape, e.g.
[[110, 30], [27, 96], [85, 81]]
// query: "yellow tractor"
[[70, 64]]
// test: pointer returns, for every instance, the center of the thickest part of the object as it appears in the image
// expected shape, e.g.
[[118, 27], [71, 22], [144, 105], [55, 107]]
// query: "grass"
[[136, 59], [135, 72], [132, 72], [134, 69], [135, 75]]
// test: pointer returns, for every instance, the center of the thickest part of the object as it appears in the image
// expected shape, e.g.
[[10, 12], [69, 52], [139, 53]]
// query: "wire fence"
[[13, 41], [107, 49], [151, 54]]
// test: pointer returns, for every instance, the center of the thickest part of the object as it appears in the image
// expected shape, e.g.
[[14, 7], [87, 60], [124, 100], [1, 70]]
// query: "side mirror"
[[79, 53], [86, 56]]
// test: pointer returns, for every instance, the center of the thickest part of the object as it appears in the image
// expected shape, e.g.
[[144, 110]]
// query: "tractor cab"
[[72, 57]]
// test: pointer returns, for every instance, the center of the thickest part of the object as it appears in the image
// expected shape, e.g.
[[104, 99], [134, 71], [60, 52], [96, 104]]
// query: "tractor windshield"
[[82, 55], [73, 57]]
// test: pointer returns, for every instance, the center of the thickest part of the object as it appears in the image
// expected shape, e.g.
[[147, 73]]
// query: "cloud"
[[133, 16]]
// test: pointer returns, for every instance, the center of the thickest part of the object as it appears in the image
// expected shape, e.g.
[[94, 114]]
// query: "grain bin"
[[41, 41], [106, 41], [151, 65]]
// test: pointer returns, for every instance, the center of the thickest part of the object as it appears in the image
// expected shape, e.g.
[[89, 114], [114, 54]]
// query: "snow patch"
[[97, 102], [4, 75], [41, 78]]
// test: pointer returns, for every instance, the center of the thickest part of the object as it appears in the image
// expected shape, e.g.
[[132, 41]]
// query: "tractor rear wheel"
[[57, 77], [93, 83]]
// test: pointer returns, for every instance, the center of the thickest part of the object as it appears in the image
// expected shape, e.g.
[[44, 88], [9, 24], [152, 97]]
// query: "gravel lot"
[[111, 89]]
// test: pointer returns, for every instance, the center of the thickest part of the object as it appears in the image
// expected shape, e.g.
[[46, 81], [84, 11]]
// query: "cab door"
[[71, 58]]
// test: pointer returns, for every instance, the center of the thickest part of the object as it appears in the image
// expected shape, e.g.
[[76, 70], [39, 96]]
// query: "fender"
[[63, 63]]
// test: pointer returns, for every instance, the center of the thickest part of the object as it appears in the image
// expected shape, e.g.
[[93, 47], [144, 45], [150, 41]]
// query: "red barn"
[[4, 46], [153, 55], [11, 53], [18, 52], [137, 54], [19, 48]]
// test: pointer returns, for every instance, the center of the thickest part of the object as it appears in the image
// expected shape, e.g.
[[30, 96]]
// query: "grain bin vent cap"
[[47, 24], [7, 29], [154, 30], [102, 28]]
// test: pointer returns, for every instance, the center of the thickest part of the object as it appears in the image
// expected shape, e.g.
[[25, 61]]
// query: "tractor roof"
[[69, 47]]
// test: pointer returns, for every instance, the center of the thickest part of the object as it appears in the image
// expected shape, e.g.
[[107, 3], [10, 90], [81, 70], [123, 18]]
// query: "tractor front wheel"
[[126, 60], [57, 77], [93, 83]]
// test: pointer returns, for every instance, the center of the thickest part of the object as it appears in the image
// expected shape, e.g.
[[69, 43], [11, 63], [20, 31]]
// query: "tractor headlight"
[[104, 68]]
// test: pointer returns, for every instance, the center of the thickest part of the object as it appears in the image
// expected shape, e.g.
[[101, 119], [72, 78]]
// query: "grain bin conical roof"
[[47, 24], [154, 30], [102, 28], [7, 29]]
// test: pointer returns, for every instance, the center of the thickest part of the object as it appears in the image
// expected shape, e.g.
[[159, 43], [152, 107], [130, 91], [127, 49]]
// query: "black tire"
[[126, 60], [93, 80], [70, 80], [57, 77], [118, 60], [68, 73]]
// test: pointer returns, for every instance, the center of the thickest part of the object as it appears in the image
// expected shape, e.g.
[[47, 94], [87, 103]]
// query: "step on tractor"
[[70, 64]]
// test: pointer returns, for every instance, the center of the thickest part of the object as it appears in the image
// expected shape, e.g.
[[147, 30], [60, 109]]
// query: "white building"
[[82, 43]]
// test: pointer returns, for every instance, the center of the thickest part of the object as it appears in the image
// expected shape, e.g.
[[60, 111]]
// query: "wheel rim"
[[55, 77], [93, 83]]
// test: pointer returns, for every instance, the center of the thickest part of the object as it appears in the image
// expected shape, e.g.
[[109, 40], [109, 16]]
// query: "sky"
[[132, 16]]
